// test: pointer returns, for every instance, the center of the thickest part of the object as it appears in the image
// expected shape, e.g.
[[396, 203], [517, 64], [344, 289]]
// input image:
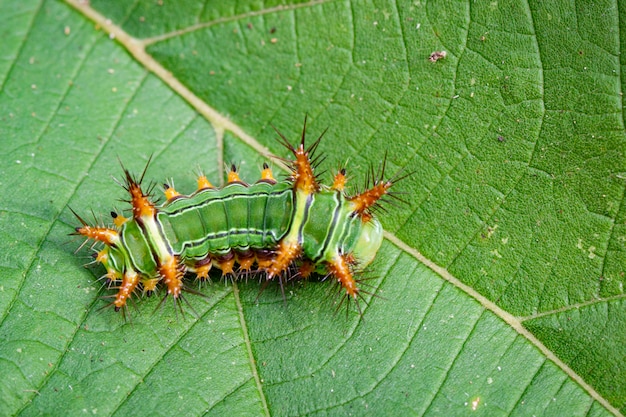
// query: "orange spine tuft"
[[202, 271], [226, 265], [339, 182], [264, 259], [203, 183], [103, 255], [118, 219], [172, 275], [245, 261], [233, 176], [306, 269], [286, 253], [363, 201], [170, 192], [302, 170], [149, 285], [112, 275], [266, 174], [340, 269], [303, 177], [101, 234], [129, 283], [141, 205]]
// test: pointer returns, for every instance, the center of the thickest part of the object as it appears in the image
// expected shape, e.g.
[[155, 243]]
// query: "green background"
[[510, 252]]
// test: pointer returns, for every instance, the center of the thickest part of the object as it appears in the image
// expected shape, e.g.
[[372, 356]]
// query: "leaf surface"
[[498, 290]]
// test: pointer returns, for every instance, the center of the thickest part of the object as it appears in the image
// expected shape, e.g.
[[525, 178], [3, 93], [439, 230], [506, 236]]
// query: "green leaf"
[[499, 288]]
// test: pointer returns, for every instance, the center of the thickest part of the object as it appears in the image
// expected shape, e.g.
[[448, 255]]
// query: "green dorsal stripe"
[[235, 217], [135, 241], [316, 225], [305, 218], [323, 213], [331, 229]]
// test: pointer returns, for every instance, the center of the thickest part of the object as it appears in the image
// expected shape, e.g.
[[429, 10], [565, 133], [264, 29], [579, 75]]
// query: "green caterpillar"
[[289, 228]]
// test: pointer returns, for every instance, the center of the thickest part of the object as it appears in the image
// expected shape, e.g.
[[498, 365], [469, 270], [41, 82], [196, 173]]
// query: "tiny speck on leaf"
[[437, 55]]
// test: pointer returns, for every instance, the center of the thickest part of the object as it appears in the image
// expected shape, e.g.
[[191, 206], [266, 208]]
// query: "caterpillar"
[[281, 229]]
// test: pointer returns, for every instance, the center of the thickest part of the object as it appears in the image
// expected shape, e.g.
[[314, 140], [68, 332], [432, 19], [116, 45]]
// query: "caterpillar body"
[[282, 229]]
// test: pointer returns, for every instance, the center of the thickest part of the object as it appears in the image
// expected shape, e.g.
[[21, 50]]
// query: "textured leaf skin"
[[516, 146]]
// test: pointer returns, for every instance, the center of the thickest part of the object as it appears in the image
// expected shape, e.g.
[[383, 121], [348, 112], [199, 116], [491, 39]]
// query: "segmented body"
[[282, 229]]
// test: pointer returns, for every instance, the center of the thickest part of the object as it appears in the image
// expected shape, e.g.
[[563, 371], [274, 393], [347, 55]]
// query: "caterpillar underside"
[[281, 229]]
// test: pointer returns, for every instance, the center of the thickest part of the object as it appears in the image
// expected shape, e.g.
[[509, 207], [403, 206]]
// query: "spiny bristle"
[[142, 206], [203, 182], [202, 272], [302, 166], [226, 265], [129, 283], [101, 234], [362, 202], [170, 192], [340, 269], [339, 181], [172, 275], [80, 219], [286, 253], [233, 175], [118, 219], [266, 174]]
